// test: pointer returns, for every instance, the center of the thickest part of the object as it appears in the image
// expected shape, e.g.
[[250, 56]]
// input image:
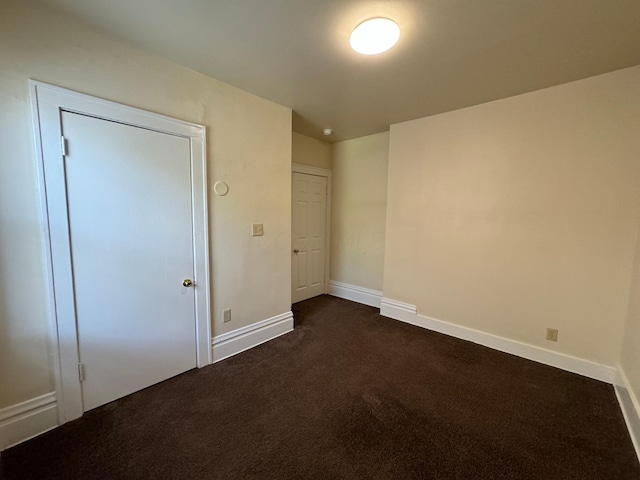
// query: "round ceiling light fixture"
[[374, 36]]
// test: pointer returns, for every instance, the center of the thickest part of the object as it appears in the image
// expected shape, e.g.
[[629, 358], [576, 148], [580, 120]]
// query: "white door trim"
[[321, 172], [47, 103]]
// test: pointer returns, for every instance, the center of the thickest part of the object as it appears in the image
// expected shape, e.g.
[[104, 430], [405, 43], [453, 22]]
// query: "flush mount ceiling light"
[[374, 36]]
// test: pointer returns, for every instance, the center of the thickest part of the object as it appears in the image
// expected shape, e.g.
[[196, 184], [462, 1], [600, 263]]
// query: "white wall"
[[521, 214], [249, 147], [358, 213], [630, 356], [309, 151]]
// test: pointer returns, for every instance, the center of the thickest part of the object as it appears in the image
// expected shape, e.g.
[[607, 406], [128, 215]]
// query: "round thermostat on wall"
[[221, 188]]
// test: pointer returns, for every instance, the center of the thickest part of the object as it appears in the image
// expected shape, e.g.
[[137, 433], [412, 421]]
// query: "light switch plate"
[[257, 229]]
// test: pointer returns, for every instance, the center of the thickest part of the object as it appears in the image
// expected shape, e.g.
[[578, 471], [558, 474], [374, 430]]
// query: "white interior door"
[[130, 225], [309, 210]]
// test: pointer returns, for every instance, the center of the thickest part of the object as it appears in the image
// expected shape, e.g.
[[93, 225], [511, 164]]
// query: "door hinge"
[[81, 372], [63, 146]]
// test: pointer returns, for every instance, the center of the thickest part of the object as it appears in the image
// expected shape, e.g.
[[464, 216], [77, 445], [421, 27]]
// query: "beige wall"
[[358, 213], [309, 151], [249, 148], [521, 214], [630, 356]]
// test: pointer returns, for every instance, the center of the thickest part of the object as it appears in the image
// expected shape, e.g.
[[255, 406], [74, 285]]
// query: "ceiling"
[[451, 54]]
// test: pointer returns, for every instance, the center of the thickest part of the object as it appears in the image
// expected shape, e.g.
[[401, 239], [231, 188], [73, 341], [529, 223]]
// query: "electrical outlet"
[[552, 334], [226, 315], [257, 229]]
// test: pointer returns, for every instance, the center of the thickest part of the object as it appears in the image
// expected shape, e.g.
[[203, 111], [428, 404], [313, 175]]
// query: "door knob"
[[295, 250], [187, 282]]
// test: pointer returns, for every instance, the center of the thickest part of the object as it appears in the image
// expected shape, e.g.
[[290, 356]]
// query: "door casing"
[[47, 103], [321, 172]]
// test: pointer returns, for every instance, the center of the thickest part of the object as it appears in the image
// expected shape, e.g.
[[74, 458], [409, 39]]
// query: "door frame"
[[47, 104], [320, 172]]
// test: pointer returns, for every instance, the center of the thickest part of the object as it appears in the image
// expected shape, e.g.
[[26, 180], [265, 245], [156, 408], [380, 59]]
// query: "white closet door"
[[130, 215], [309, 207]]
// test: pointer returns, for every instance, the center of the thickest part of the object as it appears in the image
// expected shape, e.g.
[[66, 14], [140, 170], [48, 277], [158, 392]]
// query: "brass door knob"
[[295, 250], [187, 282]]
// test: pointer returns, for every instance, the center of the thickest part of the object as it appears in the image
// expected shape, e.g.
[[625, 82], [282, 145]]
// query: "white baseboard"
[[354, 293], [232, 343], [399, 311], [630, 408], [408, 313], [28, 419]]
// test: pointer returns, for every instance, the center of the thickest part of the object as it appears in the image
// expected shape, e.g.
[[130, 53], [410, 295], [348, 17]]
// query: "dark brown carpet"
[[348, 395]]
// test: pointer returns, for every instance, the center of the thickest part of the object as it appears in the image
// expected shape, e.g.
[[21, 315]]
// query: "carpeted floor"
[[348, 395]]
